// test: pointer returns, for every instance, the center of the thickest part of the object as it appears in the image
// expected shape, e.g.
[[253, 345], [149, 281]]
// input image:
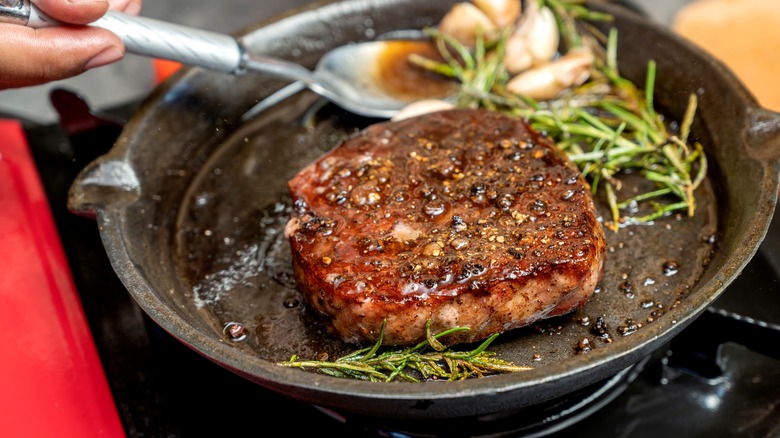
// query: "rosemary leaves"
[[428, 360]]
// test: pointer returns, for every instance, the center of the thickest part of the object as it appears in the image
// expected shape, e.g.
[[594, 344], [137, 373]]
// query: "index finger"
[[76, 12]]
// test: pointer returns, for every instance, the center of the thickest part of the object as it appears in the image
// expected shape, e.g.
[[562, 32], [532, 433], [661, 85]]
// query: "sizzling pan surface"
[[191, 203]]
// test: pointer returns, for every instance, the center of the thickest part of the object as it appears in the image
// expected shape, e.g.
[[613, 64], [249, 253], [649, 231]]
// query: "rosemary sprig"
[[430, 359], [607, 126]]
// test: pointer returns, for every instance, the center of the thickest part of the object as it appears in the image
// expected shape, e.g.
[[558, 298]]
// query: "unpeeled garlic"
[[534, 41], [503, 13], [465, 22], [547, 81], [421, 107]]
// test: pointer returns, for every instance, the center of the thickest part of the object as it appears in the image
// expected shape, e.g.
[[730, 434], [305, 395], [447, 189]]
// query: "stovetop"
[[719, 377]]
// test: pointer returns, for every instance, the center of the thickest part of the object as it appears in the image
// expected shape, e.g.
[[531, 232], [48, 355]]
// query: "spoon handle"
[[147, 37]]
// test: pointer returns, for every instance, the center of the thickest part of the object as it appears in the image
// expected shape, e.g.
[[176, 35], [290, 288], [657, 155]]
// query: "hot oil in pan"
[[236, 260], [231, 247]]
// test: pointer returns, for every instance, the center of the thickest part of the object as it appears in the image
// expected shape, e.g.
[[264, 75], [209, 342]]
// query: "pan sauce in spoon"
[[399, 78]]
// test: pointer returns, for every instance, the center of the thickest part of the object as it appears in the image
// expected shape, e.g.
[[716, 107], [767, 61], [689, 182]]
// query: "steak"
[[461, 217]]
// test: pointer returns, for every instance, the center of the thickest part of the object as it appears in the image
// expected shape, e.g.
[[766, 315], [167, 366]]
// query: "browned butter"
[[406, 81]]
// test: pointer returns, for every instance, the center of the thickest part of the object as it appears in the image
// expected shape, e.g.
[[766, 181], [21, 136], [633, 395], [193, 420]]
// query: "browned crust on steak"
[[461, 217]]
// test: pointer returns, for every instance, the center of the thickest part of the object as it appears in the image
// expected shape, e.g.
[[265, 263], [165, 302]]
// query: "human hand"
[[35, 56]]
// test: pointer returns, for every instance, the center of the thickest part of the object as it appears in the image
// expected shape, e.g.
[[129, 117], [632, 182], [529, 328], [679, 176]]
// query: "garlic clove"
[[535, 41], [544, 36], [549, 80], [465, 22], [421, 107], [538, 84], [503, 13], [517, 54]]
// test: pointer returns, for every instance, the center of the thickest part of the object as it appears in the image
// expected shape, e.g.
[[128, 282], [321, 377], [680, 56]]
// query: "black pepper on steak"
[[461, 217]]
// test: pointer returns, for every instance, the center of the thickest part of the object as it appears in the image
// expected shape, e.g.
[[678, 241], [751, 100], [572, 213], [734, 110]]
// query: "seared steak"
[[461, 217]]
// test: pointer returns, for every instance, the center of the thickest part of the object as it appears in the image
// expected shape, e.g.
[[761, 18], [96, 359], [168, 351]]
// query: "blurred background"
[[134, 77]]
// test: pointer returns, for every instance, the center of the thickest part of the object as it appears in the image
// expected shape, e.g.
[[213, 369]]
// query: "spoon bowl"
[[346, 76]]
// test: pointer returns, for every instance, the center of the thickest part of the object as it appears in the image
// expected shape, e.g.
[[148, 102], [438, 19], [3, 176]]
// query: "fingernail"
[[107, 56]]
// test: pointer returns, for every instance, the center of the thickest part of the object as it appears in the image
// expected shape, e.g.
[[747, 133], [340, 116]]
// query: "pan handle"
[[764, 135], [103, 179]]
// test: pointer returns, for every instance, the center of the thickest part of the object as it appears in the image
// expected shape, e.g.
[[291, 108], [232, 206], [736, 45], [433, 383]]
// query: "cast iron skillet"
[[190, 203]]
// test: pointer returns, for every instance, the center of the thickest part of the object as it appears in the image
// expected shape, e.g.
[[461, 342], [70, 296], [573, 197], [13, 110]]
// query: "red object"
[[52, 383], [164, 68]]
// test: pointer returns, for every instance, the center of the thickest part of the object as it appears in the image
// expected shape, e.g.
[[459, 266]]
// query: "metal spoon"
[[341, 75]]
